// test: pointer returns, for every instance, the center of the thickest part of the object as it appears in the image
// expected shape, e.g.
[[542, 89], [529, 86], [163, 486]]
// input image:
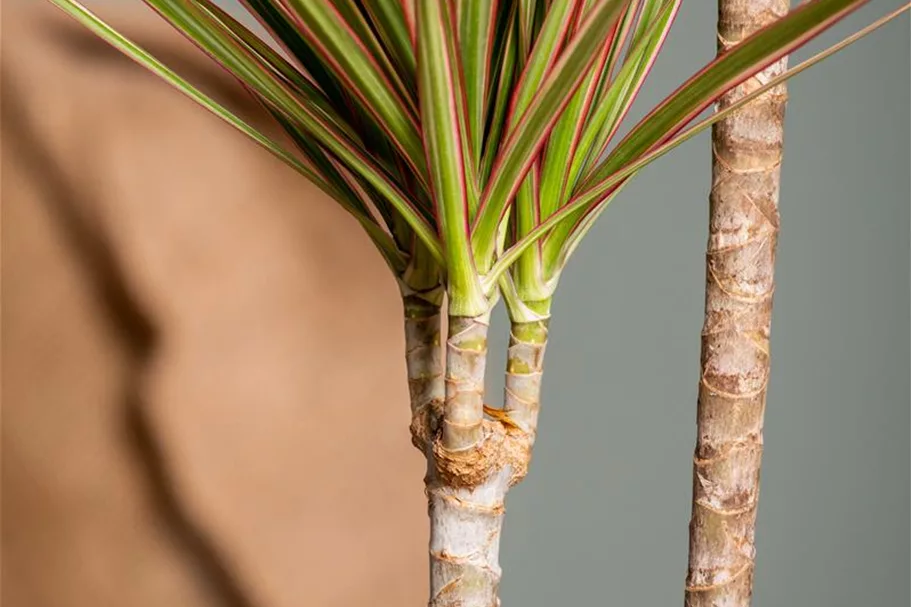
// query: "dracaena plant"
[[476, 143]]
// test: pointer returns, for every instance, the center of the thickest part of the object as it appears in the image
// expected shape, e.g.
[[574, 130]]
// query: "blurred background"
[[200, 407]]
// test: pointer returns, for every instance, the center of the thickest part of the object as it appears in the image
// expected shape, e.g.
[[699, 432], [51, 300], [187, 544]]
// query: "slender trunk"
[[477, 461], [471, 461], [466, 499], [427, 388], [466, 496], [743, 228], [465, 525]]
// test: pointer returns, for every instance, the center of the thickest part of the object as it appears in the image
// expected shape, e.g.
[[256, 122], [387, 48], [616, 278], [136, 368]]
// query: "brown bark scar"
[[709, 587]]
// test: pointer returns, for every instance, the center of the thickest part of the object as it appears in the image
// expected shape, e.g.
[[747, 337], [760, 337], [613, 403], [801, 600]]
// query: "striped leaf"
[[527, 206], [442, 113], [359, 22], [280, 26], [618, 40], [606, 118], [341, 51], [619, 96], [530, 133], [273, 62], [461, 133], [388, 20], [477, 21], [558, 178], [542, 56], [500, 95]]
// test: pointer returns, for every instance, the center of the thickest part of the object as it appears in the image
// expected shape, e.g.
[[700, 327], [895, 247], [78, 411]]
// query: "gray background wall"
[[602, 517]]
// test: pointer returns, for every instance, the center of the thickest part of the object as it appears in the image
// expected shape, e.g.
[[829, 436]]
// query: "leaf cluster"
[[474, 140]]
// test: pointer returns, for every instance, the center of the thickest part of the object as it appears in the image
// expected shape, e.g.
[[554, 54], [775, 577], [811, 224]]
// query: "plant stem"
[[743, 229], [424, 362], [465, 525], [466, 361], [524, 370], [477, 461]]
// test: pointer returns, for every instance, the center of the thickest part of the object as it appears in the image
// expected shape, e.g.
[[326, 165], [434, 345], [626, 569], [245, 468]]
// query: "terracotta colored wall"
[[188, 328]]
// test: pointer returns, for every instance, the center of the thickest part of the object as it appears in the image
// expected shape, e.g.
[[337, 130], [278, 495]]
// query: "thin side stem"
[[466, 361], [424, 361], [743, 230], [524, 371]]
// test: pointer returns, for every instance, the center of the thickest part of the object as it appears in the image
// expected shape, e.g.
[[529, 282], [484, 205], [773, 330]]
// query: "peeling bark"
[[743, 229]]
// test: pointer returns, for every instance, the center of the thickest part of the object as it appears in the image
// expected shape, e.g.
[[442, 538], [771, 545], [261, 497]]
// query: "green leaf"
[[388, 19], [530, 133], [499, 103], [340, 49], [648, 14], [557, 177], [282, 29], [409, 12], [527, 210], [443, 119], [277, 65], [577, 229], [350, 106], [372, 138], [618, 40], [543, 56], [606, 118], [477, 19], [404, 81], [529, 271], [620, 95], [528, 11], [722, 74]]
